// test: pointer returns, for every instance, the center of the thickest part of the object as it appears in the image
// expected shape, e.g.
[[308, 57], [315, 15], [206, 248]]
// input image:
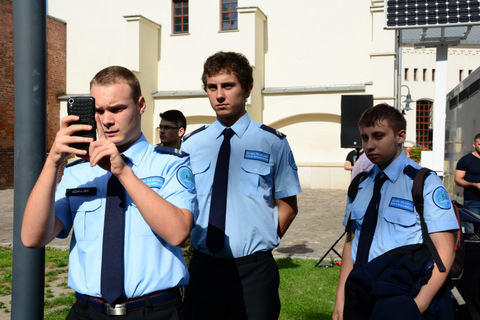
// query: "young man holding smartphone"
[[123, 185]]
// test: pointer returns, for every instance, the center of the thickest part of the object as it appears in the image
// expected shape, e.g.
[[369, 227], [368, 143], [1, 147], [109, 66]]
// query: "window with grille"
[[424, 123], [180, 16], [229, 15]]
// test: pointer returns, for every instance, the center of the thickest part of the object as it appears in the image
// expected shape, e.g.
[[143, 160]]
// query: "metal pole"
[[439, 109], [399, 70], [28, 272]]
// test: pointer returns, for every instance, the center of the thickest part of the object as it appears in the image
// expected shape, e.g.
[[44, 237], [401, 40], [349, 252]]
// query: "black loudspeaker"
[[352, 108]]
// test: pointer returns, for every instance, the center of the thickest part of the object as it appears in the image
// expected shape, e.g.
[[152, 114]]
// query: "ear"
[[142, 105], [248, 91], [181, 132], [401, 136]]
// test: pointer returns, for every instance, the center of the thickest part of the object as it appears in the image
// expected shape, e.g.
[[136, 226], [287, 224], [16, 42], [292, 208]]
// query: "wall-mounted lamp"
[[408, 100]]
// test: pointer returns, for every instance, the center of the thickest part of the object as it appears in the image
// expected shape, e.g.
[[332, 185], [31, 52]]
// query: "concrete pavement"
[[317, 226]]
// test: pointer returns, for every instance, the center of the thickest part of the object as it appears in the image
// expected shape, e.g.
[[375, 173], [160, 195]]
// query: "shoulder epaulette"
[[410, 171], [185, 137], [170, 150], [271, 130], [73, 163]]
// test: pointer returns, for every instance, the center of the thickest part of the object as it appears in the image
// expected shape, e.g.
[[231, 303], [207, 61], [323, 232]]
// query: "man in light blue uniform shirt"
[[401, 223], [159, 200], [382, 128], [240, 281]]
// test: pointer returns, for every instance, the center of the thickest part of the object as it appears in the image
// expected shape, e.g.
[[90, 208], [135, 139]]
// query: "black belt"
[[130, 305]]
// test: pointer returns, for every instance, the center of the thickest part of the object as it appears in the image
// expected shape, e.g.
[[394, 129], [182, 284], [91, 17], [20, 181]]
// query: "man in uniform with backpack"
[[387, 271]]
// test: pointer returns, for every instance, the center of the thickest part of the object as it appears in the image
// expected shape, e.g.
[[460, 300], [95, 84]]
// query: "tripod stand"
[[332, 248]]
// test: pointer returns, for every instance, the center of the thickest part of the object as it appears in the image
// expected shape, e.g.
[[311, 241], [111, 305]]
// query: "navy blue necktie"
[[113, 241], [369, 222], [218, 203]]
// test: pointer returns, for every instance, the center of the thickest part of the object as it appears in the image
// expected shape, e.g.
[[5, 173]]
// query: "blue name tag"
[[257, 155], [402, 204], [154, 182]]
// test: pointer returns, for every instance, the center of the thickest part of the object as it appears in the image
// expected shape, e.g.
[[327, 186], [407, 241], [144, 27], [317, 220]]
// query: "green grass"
[[306, 292]]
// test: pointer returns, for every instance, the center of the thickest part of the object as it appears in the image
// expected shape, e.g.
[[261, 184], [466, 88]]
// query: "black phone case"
[[84, 107]]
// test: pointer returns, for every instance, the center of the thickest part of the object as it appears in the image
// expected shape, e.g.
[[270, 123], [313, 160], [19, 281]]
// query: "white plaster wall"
[[331, 44], [425, 58]]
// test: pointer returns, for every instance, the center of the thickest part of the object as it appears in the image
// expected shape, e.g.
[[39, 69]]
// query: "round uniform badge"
[[291, 161], [441, 198], [185, 177]]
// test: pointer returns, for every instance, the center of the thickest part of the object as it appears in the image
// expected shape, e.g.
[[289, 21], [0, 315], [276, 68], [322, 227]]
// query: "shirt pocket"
[[203, 180], [138, 225], [401, 224], [256, 178], [134, 219], [87, 223], [357, 215]]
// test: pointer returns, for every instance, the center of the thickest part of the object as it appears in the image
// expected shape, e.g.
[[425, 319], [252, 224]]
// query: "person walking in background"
[[352, 157], [247, 184], [467, 175], [363, 164], [382, 223], [129, 203], [172, 128]]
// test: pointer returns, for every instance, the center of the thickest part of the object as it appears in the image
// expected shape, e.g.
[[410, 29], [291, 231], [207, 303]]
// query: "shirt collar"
[[238, 127], [137, 150], [395, 168]]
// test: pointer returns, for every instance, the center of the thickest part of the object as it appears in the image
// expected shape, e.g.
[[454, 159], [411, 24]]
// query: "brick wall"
[[56, 85]]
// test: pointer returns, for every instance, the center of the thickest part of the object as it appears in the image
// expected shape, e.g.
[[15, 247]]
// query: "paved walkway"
[[317, 226]]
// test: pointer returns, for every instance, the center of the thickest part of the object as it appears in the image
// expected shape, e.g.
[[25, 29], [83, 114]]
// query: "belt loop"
[[84, 303], [148, 303]]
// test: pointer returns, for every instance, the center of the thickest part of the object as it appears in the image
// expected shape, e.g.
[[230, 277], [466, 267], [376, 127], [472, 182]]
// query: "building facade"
[[56, 86], [305, 54]]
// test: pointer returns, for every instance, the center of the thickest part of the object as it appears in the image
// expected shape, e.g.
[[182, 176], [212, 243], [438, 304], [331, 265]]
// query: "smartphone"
[[84, 107]]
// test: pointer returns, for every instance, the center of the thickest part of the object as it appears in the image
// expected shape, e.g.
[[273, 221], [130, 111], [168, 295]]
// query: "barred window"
[[424, 123]]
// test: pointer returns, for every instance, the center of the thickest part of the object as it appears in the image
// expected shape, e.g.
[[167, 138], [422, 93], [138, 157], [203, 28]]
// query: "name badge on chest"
[[81, 192]]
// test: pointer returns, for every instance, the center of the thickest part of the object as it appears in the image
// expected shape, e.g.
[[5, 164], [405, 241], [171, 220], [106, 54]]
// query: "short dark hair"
[[231, 62], [175, 116], [380, 112], [117, 74], [477, 136]]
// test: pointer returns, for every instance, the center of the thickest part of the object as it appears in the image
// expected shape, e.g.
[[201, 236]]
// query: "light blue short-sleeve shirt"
[[151, 264], [398, 222], [261, 170]]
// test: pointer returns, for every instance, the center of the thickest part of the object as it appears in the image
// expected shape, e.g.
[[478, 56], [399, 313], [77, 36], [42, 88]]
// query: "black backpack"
[[418, 176]]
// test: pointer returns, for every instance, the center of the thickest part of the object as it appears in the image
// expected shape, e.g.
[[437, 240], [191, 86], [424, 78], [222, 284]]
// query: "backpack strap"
[[352, 193], [417, 193], [353, 187]]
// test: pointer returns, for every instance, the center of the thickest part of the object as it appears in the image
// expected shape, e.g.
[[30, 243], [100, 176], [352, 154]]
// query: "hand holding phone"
[[84, 107]]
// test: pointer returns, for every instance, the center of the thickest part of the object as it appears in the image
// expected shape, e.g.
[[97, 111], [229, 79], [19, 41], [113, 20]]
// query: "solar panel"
[[401, 14]]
